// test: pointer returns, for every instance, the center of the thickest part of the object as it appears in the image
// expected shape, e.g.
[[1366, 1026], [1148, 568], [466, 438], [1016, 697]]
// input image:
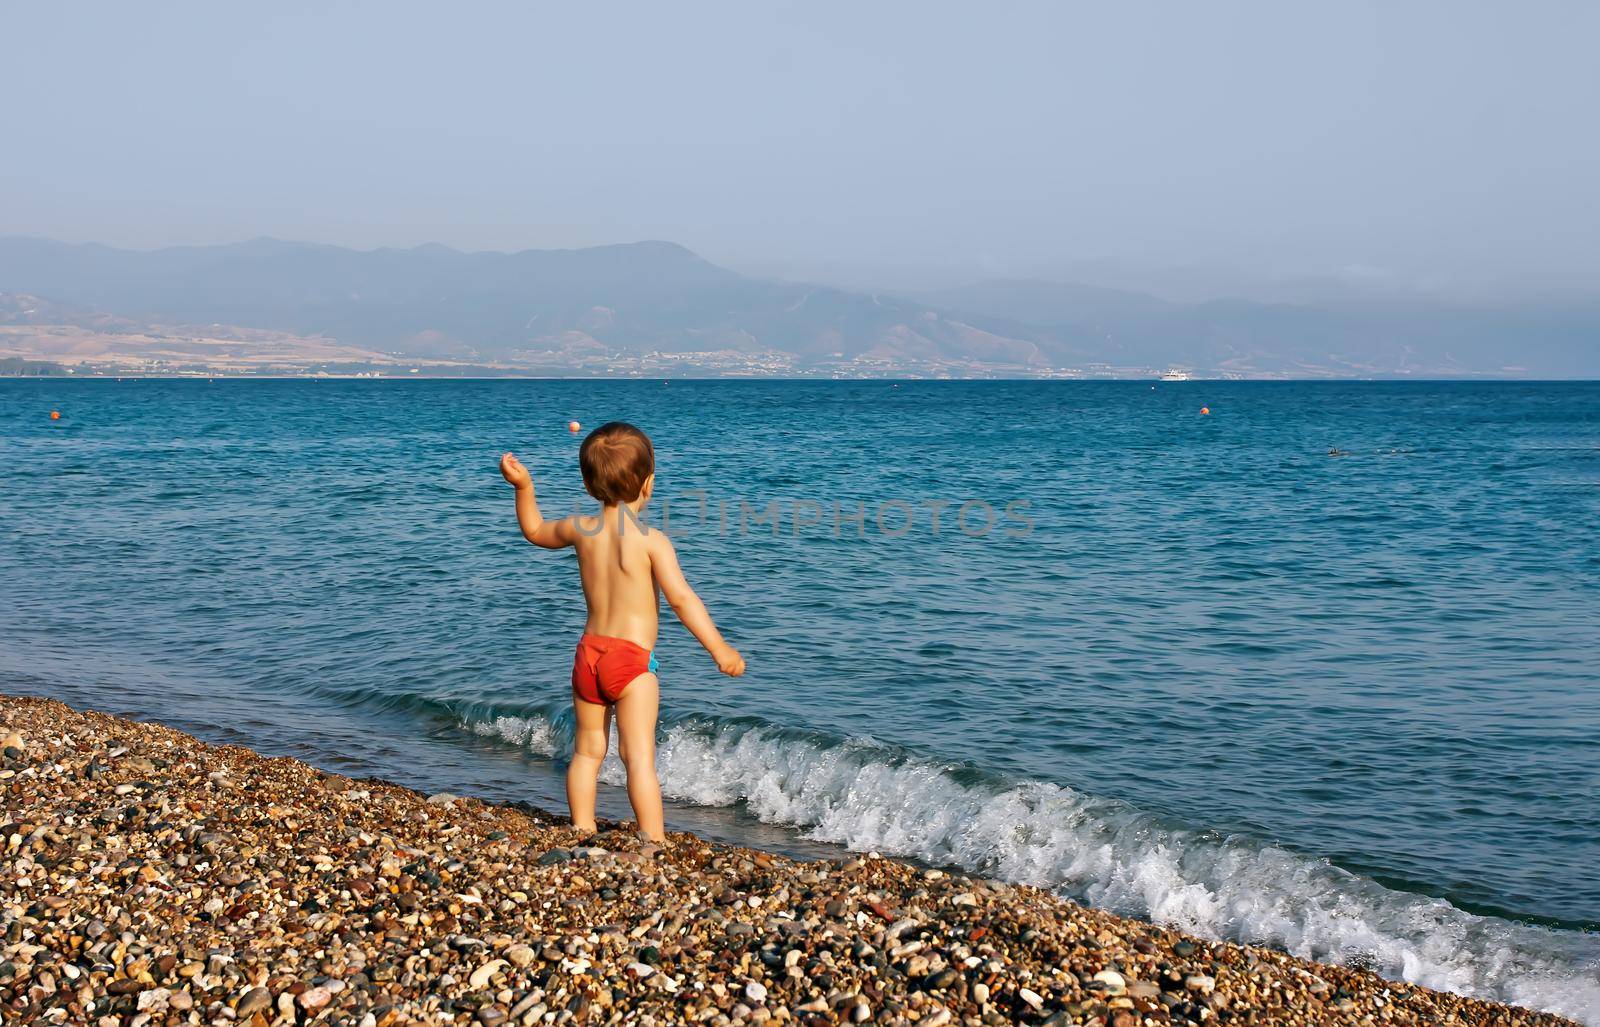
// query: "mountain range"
[[647, 304]]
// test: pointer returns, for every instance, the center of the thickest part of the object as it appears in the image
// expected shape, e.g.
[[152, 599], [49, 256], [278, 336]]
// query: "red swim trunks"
[[604, 667]]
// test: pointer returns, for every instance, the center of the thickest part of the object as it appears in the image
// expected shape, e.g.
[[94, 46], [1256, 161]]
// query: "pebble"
[[482, 975], [313, 999], [253, 1001], [200, 885], [1115, 983]]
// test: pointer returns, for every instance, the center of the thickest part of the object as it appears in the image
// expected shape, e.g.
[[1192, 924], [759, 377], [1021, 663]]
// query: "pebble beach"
[[149, 878]]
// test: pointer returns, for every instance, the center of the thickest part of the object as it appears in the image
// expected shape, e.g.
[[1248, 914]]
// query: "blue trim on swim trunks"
[[654, 663]]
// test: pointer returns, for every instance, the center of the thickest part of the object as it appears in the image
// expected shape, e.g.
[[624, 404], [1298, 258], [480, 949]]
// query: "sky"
[[1437, 146]]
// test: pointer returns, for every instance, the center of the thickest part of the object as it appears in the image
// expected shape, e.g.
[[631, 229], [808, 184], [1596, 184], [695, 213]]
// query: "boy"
[[625, 569]]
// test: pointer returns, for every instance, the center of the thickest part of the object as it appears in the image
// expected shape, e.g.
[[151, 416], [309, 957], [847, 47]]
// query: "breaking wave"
[[867, 796]]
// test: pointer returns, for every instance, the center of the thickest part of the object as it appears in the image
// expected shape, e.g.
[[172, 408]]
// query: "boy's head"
[[617, 461]]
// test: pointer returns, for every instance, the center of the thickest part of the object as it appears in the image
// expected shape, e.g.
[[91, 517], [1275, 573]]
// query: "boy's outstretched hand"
[[512, 470], [730, 662]]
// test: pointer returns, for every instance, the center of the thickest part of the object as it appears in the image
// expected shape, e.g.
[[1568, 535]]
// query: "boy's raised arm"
[[549, 534], [688, 607]]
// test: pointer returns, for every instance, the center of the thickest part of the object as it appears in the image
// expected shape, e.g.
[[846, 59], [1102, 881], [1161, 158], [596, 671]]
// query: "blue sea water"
[[1317, 669]]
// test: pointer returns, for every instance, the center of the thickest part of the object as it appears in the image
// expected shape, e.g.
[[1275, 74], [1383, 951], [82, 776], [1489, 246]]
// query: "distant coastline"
[[657, 310], [21, 368]]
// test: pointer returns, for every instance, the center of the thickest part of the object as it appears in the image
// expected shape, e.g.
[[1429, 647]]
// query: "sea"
[[1314, 665]]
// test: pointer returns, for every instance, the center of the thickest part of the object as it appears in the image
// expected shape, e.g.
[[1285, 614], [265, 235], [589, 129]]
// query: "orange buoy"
[[1205, 410], [55, 415], [572, 426]]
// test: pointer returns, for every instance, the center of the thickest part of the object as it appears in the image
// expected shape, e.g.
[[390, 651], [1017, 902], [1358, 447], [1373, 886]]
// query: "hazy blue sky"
[[1447, 143]]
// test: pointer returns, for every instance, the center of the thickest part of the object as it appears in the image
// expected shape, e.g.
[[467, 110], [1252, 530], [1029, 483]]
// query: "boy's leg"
[[593, 724], [636, 738]]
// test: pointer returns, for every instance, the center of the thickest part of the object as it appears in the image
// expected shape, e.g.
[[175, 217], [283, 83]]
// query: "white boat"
[[1173, 374]]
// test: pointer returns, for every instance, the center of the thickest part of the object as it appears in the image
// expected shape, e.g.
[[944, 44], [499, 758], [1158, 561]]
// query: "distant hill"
[[438, 302], [652, 302], [1371, 337]]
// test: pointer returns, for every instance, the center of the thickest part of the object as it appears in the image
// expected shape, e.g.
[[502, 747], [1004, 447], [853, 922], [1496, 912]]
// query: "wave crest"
[[867, 796]]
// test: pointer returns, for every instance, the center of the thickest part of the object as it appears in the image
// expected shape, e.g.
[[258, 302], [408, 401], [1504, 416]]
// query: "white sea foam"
[[867, 797], [536, 734]]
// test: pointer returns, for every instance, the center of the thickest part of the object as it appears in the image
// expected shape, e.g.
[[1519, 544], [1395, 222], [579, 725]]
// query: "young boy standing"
[[625, 569]]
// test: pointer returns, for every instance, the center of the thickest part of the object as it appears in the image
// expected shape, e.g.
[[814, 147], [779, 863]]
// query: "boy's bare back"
[[616, 564], [626, 568]]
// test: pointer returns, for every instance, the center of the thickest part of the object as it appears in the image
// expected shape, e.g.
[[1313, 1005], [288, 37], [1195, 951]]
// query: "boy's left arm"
[[690, 610], [548, 534]]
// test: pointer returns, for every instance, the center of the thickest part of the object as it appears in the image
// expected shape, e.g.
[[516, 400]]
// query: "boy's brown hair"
[[615, 459]]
